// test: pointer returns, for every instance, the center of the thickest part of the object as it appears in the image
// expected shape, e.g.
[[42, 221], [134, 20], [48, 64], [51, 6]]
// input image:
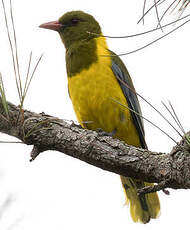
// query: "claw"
[[101, 132]]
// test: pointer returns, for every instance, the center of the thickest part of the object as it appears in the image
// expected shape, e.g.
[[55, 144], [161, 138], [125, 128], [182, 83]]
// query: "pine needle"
[[28, 72], [32, 75], [16, 48], [144, 6], [15, 58], [11, 142], [12, 50], [146, 120], [154, 41], [28, 82], [145, 13], [34, 128], [151, 105], [4, 118], [3, 97], [142, 33], [184, 4], [173, 114], [167, 9], [177, 118], [157, 15]]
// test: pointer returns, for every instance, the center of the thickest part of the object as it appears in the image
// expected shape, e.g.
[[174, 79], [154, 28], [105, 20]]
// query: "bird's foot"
[[101, 132]]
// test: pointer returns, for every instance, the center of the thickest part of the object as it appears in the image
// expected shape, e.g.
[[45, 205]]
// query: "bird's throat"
[[80, 56]]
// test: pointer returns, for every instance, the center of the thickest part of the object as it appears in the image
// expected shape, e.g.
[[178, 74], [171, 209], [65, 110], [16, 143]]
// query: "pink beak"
[[55, 25]]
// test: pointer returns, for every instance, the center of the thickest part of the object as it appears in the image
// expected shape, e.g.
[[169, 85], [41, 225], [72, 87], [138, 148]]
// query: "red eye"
[[74, 21]]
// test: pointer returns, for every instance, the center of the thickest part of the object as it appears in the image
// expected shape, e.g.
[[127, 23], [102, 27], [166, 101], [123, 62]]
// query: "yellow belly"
[[93, 92]]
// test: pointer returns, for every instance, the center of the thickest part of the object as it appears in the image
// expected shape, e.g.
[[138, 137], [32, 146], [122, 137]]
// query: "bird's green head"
[[74, 26]]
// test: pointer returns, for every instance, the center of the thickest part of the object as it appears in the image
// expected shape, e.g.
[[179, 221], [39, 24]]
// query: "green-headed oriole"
[[97, 80]]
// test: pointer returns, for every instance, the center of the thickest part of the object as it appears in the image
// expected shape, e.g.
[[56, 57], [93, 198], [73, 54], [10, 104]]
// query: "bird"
[[103, 97]]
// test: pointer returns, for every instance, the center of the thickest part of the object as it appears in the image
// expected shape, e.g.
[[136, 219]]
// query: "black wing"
[[122, 75]]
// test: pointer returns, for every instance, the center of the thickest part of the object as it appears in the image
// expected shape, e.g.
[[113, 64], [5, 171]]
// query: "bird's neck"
[[81, 55]]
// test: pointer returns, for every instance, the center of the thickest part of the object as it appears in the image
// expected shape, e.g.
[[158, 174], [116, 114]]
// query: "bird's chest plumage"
[[94, 93]]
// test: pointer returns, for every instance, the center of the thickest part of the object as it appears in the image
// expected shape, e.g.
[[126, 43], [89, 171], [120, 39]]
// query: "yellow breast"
[[93, 93]]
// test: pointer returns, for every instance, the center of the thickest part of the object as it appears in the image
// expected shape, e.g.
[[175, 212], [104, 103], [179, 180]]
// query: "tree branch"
[[45, 132]]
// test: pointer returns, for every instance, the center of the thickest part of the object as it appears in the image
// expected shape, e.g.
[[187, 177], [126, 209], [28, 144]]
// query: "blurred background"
[[59, 192]]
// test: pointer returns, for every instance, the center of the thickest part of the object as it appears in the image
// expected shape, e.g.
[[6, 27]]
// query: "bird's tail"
[[142, 207]]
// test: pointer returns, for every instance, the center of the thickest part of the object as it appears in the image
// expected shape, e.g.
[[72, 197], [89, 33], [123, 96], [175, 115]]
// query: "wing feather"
[[123, 76]]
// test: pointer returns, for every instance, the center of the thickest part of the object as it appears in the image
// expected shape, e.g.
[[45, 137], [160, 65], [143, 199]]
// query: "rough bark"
[[44, 132]]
